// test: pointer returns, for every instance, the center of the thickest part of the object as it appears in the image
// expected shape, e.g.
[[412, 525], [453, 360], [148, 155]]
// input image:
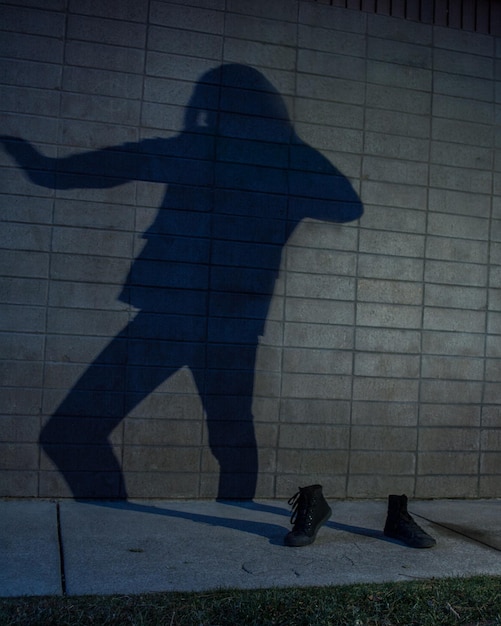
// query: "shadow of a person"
[[239, 180]]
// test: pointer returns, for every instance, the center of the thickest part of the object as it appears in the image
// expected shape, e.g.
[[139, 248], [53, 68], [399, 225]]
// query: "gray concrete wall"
[[378, 367]]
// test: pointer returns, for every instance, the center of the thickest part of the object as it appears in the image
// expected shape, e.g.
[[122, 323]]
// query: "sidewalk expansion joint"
[[62, 572]]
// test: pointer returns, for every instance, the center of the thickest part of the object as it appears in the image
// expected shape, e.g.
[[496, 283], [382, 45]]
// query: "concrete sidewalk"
[[76, 548]]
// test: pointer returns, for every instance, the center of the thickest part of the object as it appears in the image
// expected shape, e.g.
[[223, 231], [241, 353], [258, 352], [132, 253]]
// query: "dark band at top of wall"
[[481, 16]]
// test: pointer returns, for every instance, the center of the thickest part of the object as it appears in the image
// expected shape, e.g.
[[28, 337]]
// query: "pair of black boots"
[[310, 511]]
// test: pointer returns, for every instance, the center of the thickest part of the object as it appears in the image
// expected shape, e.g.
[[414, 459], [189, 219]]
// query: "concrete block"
[[381, 463], [80, 349], [449, 415], [450, 107], [399, 99], [319, 311], [490, 463], [99, 30], [460, 250], [491, 391], [329, 138], [450, 296], [31, 291], [387, 365], [445, 391], [89, 268], [488, 486], [261, 54], [315, 411], [396, 147], [388, 340], [21, 264], [394, 195], [178, 406], [403, 53], [385, 389], [156, 484], [382, 439], [91, 242], [106, 57], [19, 484], [453, 320], [460, 344], [19, 208], [491, 415], [400, 244], [388, 315], [21, 374], [346, 43], [49, 23], [452, 368], [444, 272], [86, 296], [185, 17], [321, 261], [447, 486], [372, 266], [389, 291], [39, 48], [22, 346], [22, 318], [471, 133], [490, 440], [318, 336], [328, 88], [395, 170], [301, 462], [393, 75], [388, 415], [312, 437], [20, 401], [171, 66], [398, 123], [124, 10], [37, 128], [384, 27], [495, 257], [329, 114], [459, 203], [393, 219], [494, 323], [158, 458], [456, 62], [464, 41], [320, 286], [18, 456], [307, 361], [31, 74], [330, 64], [88, 80], [100, 109], [379, 485], [457, 85], [315, 386]]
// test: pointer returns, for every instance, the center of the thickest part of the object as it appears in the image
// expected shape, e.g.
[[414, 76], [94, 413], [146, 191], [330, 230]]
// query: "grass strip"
[[472, 601]]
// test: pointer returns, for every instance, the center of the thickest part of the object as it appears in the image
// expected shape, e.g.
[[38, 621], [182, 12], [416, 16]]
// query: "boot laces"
[[302, 510]]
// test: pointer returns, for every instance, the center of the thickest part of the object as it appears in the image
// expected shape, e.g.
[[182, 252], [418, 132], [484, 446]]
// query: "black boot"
[[309, 511], [400, 525]]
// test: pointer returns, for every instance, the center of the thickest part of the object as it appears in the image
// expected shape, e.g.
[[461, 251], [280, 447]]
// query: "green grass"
[[467, 601]]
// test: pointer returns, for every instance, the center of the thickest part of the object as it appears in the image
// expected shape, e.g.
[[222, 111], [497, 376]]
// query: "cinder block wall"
[[378, 363]]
